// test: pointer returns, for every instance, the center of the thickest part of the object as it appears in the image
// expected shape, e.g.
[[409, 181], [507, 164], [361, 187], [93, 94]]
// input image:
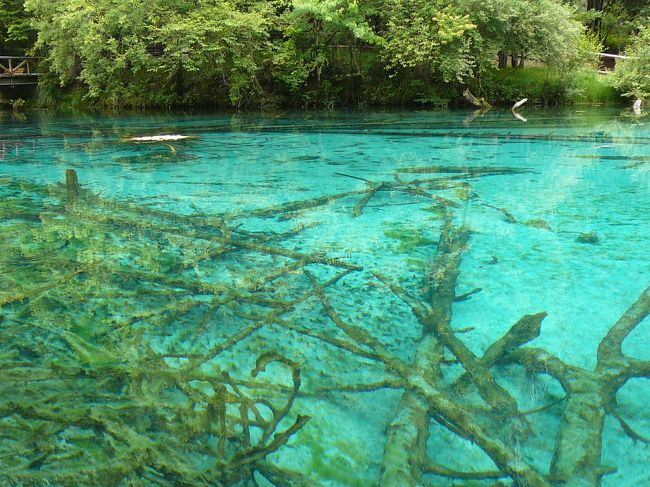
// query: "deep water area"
[[344, 299]]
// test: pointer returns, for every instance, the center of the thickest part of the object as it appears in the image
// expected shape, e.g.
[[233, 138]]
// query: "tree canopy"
[[632, 75], [16, 33], [301, 52]]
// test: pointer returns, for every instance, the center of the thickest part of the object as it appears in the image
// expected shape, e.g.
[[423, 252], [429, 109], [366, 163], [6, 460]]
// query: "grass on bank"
[[547, 87]]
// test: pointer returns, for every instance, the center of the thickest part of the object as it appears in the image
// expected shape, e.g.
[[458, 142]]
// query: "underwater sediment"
[[146, 346]]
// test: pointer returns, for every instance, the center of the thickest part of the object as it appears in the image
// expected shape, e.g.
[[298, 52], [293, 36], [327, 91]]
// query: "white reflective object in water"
[[159, 138], [519, 117], [517, 105]]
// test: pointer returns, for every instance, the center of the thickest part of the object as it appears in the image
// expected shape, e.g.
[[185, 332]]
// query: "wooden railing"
[[18, 69]]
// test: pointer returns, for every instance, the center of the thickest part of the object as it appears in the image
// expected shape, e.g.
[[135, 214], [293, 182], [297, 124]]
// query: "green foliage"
[[616, 24], [16, 33], [342, 17], [595, 88], [459, 40], [543, 29], [215, 48], [306, 53], [547, 86], [407, 89], [632, 76], [433, 34], [322, 56]]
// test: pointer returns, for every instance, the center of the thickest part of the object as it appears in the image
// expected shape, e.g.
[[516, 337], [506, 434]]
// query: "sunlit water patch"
[[368, 299]]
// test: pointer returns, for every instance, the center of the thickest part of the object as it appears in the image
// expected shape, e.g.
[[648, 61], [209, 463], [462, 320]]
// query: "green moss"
[[417, 264], [437, 210], [538, 223], [339, 468], [463, 193], [85, 297], [409, 238], [588, 238]]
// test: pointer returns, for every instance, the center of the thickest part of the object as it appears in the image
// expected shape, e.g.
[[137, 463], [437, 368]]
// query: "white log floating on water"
[[161, 138]]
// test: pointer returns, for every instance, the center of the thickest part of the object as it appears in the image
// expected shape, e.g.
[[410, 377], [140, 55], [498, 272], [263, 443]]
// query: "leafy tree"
[[210, 49], [16, 33], [325, 39], [632, 76], [221, 50], [539, 29], [308, 52], [432, 34], [613, 22], [461, 39]]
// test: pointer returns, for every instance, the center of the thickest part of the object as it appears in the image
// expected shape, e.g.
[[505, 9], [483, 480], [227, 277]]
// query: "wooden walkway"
[[18, 70]]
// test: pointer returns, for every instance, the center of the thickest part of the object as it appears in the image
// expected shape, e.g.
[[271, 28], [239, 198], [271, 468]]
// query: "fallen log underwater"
[[158, 403]]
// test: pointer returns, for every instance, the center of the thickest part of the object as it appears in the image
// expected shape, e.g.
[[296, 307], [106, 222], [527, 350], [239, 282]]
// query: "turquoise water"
[[133, 312]]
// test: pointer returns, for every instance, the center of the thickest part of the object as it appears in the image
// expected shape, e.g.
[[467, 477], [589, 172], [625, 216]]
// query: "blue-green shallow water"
[[575, 175]]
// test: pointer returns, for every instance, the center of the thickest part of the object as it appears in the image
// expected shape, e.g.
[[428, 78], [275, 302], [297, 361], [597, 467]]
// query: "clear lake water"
[[315, 299]]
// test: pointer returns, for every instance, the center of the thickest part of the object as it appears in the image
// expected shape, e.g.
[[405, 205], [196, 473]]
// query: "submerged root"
[[148, 386]]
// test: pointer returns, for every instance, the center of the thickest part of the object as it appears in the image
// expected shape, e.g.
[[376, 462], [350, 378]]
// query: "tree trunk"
[[179, 81], [503, 60], [598, 6]]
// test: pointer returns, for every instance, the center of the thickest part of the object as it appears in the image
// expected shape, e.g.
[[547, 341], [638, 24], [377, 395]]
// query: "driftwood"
[[514, 108], [103, 354], [468, 171], [404, 458], [133, 377], [422, 187], [161, 138], [590, 396], [477, 102]]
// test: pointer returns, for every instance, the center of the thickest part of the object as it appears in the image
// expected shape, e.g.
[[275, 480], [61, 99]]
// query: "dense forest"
[[328, 53]]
